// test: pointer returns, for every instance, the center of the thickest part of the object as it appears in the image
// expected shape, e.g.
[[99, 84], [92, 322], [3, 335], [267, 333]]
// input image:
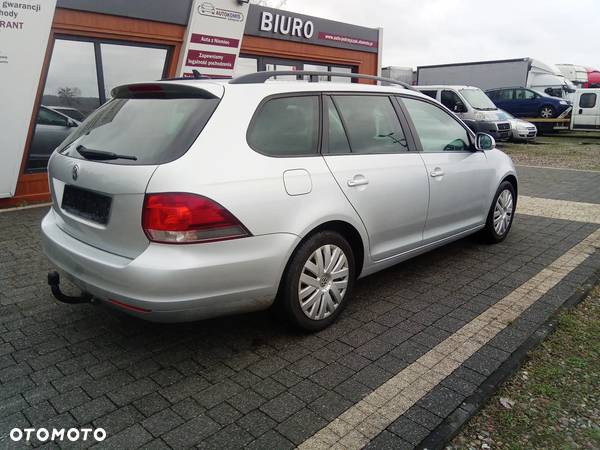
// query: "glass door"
[[273, 64], [81, 75]]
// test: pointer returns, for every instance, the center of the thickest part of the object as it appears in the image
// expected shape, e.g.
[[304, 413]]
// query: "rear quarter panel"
[[221, 165]]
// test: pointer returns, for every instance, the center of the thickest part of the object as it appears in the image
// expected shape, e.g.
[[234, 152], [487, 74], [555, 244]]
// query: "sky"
[[445, 31], [415, 33]]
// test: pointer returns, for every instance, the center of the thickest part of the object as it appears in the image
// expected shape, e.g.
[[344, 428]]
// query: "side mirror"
[[484, 142], [460, 108], [71, 123]]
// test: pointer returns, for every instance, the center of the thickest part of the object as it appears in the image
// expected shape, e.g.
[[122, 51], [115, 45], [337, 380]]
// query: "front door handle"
[[437, 172], [358, 180]]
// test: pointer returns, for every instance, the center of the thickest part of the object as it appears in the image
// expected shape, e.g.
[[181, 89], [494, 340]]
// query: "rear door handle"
[[358, 181], [437, 172]]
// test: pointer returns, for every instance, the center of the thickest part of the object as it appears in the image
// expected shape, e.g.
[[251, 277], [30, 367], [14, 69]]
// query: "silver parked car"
[[521, 130], [181, 200]]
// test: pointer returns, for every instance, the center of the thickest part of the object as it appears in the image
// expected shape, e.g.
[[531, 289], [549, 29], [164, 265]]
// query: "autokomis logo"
[[208, 9], [58, 434]]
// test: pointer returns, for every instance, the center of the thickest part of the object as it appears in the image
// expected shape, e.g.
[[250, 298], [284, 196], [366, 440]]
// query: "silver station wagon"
[[188, 199]]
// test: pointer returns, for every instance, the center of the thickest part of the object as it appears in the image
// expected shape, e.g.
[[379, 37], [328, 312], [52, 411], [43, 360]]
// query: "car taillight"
[[179, 218]]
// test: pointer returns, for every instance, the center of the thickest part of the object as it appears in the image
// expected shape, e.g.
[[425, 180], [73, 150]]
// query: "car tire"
[[501, 214], [547, 112], [318, 282]]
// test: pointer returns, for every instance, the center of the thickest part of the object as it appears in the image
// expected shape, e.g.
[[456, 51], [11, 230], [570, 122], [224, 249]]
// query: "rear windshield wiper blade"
[[99, 155]]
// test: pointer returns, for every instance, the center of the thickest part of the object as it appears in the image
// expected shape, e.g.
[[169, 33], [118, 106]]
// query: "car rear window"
[[153, 125]]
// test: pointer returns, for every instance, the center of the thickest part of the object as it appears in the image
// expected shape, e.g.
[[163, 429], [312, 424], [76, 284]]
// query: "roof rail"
[[261, 77]]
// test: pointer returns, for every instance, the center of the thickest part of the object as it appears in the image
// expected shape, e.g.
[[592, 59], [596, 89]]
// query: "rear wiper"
[[99, 155]]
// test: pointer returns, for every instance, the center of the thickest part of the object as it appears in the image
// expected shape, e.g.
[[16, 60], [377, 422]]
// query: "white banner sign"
[[213, 38], [24, 30]]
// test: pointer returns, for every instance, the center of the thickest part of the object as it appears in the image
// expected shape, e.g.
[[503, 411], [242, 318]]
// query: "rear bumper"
[[176, 283]]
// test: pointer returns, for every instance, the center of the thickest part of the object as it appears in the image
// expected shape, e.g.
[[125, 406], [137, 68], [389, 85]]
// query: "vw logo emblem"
[[75, 172]]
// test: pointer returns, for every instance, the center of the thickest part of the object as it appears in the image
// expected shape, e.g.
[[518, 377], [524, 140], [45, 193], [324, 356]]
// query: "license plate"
[[86, 204]]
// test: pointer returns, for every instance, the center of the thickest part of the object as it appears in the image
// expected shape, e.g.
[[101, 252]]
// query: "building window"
[[81, 74], [245, 66], [72, 80], [339, 69], [316, 68], [122, 64], [249, 64]]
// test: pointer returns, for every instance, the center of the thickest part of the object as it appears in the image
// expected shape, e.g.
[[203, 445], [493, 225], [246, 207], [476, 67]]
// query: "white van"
[[586, 110], [473, 106]]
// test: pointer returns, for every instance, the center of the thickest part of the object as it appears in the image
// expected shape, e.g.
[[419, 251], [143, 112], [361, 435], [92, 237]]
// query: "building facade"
[[95, 46]]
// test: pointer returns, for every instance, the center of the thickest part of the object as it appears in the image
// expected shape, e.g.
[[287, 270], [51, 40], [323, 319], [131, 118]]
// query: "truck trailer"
[[522, 72]]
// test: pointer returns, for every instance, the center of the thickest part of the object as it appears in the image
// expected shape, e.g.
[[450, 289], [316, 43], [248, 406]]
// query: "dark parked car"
[[73, 113], [51, 128], [524, 102]]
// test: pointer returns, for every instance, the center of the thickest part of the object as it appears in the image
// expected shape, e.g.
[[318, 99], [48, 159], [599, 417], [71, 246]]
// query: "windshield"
[[153, 130], [570, 86], [477, 99]]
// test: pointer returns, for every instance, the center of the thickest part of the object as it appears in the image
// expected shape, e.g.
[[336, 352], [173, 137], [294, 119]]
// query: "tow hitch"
[[54, 283]]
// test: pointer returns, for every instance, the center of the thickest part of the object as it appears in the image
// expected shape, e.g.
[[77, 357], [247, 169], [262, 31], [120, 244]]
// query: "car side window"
[[437, 130], [337, 141], [505, 94], [371, 123], [286, 126], [451, 100], [587, 100], [524, 94], [47, 117], [432, 94]]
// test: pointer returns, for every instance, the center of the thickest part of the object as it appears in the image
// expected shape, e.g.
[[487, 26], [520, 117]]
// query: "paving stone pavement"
[[560, 184], [247, 381]]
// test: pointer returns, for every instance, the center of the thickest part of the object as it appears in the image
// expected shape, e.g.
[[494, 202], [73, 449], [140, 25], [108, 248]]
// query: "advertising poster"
[[213, 38], [24, 30]]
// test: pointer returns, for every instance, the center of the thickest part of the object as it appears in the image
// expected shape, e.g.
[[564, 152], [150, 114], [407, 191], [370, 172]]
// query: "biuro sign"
[[292, 26], [213, 38], [24, 30]]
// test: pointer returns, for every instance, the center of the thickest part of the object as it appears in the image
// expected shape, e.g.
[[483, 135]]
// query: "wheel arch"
[[512, 179], [346, 229], [350, 233]]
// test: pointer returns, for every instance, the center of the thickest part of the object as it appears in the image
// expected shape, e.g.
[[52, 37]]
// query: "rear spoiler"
[[167, 90]]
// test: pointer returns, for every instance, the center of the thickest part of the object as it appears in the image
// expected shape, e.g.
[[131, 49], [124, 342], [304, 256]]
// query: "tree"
[[69, 95]]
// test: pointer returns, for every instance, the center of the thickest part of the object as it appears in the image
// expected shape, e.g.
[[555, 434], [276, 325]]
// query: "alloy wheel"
[[546, 113], [503, 212], [323, 282]]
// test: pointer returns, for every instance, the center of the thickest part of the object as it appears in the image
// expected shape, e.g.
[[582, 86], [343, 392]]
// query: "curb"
[[21, 208], [452, 424]]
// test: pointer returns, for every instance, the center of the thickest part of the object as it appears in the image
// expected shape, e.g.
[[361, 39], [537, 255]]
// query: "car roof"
[[282, 87], [508, 87], [445, 86]]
